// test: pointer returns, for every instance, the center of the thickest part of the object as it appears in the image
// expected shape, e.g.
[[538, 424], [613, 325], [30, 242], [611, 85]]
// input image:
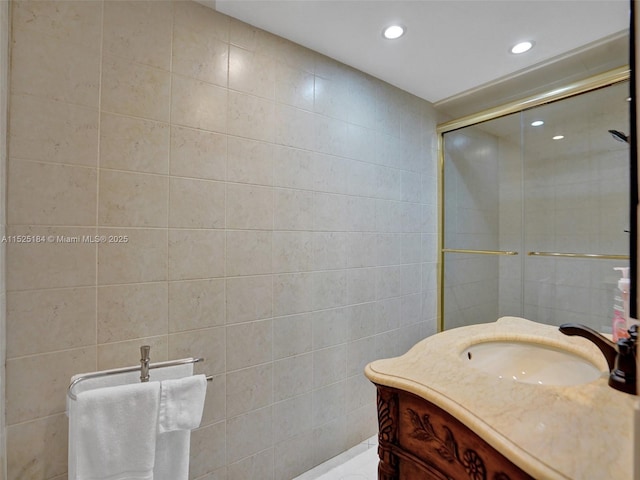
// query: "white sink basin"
[[530, 363]]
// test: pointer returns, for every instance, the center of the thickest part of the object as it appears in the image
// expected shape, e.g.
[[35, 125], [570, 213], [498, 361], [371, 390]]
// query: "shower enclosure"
[[535, 207]]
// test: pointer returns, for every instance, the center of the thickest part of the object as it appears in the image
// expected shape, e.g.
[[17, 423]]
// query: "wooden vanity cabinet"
[[420, 441]]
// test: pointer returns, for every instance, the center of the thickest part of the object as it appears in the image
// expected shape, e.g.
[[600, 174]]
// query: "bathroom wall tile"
[[131, 88], [294, 55], [249, 344], [389, 249], [76, 22], [360, 424], [411, 310], [249, 389], [361, 285], [196, 254], [411, 248], [293, 86], [294, 127], [250, 161], [52, 264], [197, 104], [332, 438], [331, 136], [132, 311], [329, 403], [215, 405], [249, 207], [291, 417], [134, 144], [361, 250], [196, 304], [292, 251], [360, 390], [139, 31], [388, 313], [37, 385], [259, 465], [38, 449], [248, 252], [329, 365], [129, 199], [142, 258], [208, 343], [251, 72], [248, 298], [361, 214], [199, 55], [196, 203], [292, 293], [293, 209], [249, 433], [57, 69], [208, 449], [329, 289], [329, 250], [292, 168], [292, 335], [361, 320], [359, 353], [251, 117], [127, 353], [293, 456], [329, 327], [292, 376], [410, 278], [68, 315], [388, 282], [330, 212], [329, 173], [198, 154], [331, 96], [50, 194], [201, 21], [361, 147], [53, 131], [252, 38]]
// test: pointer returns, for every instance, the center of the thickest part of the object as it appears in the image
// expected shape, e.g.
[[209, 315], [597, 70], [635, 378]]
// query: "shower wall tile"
[[211, 190], [131, 88], [250, 161], [53, 68], [134, 144], [69, 315], [196, 304], [129, 199], [198, 154], [51, 194], [132, 311], [53, 131], [50, 264], [139, 31]]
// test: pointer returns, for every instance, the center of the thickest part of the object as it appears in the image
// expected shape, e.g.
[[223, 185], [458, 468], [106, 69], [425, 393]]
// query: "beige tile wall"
[[278, 210], [4, 93]]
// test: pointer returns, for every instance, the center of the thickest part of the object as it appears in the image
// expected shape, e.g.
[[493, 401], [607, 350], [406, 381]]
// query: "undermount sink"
[[530, 363]]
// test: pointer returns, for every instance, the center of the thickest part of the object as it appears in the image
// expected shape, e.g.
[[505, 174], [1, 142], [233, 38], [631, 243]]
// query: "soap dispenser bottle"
[[624, 285]]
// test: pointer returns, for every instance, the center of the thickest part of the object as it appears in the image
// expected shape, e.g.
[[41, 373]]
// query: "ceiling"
[[450, 47]]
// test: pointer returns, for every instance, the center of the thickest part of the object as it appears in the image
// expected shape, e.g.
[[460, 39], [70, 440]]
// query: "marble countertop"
[[551, 432]]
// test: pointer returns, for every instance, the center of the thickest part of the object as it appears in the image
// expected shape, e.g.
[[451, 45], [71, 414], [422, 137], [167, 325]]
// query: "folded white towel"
[[181, 406], [181, 403], [113, 431]]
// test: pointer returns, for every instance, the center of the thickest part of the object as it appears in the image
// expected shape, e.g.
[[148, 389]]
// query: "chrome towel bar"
[[143, 368]]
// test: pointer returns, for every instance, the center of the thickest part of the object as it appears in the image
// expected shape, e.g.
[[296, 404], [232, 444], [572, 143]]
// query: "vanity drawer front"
[[444, 444]]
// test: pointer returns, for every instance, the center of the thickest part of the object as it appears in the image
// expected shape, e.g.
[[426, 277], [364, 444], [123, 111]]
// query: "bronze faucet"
[[621, 356]]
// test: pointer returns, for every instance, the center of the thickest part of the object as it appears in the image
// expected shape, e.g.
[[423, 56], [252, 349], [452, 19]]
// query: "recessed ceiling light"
[[537, 123], [521, 47], [393, 31], [558, 137]]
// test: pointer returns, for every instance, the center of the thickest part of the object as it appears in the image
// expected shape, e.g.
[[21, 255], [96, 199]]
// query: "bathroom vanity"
[[442, 417]]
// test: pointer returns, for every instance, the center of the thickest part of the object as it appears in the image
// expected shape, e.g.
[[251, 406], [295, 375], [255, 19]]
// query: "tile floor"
[[357, 463]]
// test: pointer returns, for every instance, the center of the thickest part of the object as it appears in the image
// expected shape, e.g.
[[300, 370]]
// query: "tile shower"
[[280, 216]]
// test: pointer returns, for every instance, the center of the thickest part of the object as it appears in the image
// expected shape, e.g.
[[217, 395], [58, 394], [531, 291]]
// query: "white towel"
[[181, 406], [113, 430]]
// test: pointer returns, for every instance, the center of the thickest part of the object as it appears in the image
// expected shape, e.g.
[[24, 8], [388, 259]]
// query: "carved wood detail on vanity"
[[419, 441]]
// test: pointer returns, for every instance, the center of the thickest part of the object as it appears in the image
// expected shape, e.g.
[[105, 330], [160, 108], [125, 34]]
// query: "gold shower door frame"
[[605, 79]]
